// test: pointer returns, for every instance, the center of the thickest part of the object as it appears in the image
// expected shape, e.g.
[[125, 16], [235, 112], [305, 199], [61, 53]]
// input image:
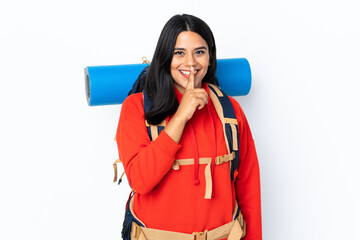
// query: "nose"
[[190, 60]]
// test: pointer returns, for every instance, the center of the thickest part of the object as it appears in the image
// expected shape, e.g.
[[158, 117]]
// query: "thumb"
[[191, 82]]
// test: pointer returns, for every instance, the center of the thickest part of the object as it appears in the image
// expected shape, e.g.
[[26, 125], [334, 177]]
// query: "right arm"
[[147, 162]]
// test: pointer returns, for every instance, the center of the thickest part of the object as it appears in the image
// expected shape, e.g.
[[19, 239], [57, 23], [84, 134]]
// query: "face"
[[190, 50]]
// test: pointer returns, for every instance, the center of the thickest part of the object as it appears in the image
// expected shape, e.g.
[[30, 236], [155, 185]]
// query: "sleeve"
[[145, 162], [247, 183]]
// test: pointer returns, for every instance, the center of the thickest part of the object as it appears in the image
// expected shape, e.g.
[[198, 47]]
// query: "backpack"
[[227, 116]]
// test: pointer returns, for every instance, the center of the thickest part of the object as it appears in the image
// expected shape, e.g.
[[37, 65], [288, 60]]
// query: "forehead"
[[189, 40]]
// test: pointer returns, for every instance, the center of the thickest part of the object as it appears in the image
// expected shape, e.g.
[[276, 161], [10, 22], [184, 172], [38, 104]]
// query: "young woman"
[[193, 199]]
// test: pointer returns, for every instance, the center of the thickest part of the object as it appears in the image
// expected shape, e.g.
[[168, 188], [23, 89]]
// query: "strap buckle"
[[225, 158], [200, 235]]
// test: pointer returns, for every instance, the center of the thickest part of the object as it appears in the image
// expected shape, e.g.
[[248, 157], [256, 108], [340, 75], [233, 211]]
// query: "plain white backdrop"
[[57, 153]]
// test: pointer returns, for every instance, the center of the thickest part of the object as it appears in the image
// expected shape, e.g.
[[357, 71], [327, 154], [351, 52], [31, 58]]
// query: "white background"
[[57, 153]]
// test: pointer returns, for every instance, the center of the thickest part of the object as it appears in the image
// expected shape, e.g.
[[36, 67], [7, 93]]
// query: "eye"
[[199, 52], [178, 53]]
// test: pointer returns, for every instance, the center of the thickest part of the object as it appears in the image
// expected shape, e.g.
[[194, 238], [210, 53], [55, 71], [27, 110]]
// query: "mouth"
[[186, 74]]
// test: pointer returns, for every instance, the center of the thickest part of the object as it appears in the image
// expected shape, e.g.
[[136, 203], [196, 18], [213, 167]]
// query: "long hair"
[[159, 82]]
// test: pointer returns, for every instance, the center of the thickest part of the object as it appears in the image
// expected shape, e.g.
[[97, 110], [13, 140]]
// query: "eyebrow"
[[202, 47]]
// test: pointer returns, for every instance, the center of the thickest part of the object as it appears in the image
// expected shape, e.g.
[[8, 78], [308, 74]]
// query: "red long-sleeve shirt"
[[168, 199]]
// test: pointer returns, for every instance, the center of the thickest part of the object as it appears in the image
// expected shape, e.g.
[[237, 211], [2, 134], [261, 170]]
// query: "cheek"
[[174, 65], [205, 62], [205, 68], [173, 72]]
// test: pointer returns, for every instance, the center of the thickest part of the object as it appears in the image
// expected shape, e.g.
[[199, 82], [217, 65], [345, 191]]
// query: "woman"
[[194, 198]]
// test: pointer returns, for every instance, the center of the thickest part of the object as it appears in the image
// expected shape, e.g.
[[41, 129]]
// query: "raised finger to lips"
[[191, 82]]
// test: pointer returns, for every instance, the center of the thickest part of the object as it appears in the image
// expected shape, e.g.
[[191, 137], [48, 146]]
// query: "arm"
[[247, 183], [145, 162]]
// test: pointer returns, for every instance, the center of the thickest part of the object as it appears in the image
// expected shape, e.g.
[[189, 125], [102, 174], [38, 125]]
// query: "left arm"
[[247, 182]]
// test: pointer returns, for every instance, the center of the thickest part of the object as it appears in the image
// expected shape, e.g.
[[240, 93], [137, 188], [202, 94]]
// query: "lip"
[[187, 76]]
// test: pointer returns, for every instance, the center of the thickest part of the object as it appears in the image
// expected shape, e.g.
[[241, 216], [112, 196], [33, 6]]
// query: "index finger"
[[191, 82]]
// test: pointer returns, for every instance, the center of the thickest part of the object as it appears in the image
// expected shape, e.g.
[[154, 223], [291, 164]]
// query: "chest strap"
[[190, 161], [208, 178]]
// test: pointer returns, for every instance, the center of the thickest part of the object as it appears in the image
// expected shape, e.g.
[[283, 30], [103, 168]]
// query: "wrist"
[[175, 128], [179, 119]]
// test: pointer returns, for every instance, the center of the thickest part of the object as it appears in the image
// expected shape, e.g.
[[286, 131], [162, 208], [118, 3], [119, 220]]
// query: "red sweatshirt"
[[169, 199]]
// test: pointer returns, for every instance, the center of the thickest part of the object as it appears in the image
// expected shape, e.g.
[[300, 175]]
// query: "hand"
[[193, 98]]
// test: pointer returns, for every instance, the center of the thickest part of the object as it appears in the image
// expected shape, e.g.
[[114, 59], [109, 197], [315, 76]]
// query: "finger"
[[191, 82], [199, 90], [199, 94], [201, 105], [201, 101], [203, 95]]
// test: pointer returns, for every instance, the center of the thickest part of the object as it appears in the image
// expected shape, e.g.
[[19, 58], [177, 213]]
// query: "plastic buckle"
[[220, 159], [200, 235]]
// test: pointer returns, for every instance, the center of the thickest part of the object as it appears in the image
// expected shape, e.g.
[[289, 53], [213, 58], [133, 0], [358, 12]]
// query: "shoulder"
[[241, 118], [133, 99], [133, 106], [239, 113]]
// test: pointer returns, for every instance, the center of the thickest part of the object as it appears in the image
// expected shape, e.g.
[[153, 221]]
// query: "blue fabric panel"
[[225, 103], [147, 102], [160, 128], [128, 219], [149, 132], [235, 162], [237, 213]]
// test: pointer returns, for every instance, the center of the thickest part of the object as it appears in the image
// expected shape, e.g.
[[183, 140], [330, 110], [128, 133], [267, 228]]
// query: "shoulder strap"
[[227, 116], [153, 130]]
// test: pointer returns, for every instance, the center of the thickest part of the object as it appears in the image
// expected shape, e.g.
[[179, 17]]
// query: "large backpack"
[[227, 116]]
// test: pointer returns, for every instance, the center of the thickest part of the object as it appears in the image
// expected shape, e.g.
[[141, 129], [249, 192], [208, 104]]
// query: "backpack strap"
[[227, 116], [226, 113], [153, 130]]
